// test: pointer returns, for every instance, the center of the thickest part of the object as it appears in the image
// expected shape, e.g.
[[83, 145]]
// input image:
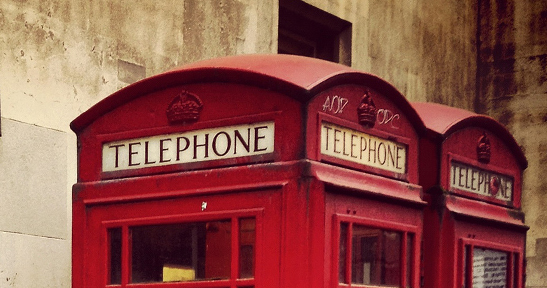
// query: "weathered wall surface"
[[78, 52], [59, 57], [426, 49], [34, 228], [513, 90]]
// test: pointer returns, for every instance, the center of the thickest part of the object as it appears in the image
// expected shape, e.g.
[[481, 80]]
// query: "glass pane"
[[247, 239], [489, 268], [181, 252], [115, 255], [391, 261], [464, 271], [516, 270], [409, 253], [376, 256], [342, 253]]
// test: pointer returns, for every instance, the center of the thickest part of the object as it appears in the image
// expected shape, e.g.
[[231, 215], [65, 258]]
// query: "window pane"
[[181, 252], [465, 261], [115, 255], [247, 236], [409, 252], [516, 270], [376, 256], [342, 253], [489, 268]]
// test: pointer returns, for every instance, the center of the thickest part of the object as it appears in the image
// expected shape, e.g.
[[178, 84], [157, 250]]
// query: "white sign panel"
[[489, 268], [189, 147], [482, 182], [358, 147]]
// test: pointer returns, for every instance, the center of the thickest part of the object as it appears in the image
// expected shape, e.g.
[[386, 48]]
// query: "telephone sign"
[[350, 145], [189, 147], [481, 182]]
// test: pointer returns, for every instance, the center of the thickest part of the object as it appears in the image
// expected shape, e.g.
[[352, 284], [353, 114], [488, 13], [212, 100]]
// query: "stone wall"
[[513, 90], [58, 58]]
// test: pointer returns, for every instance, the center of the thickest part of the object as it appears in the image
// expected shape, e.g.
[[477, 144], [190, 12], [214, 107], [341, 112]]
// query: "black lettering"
[[370, 149], [179, 149], [363, 141], [146, 161], [353, 136], [117, 153], [163, 149], [131, 153], [327, 136], [390, 156], [241, 140], [336, 139], [467, 177], [257, 138], [454, 174], [488, 178], [228, 143], [461, 174], [502, 186], [399, 156], [205, 145], [481, 183], [474, 179], [507, 188], [382, 146], [344, 144]]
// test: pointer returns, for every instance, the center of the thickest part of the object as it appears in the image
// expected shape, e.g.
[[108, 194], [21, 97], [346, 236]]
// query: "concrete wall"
[[59, 57], [513, 90], [425, 48]]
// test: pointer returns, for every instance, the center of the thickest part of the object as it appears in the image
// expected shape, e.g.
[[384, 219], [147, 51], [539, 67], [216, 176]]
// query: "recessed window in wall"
[[309, 31]]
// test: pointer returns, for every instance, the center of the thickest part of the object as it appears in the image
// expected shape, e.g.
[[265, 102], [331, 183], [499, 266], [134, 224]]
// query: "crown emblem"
[[366, 112], [483, 149], [186, 107]]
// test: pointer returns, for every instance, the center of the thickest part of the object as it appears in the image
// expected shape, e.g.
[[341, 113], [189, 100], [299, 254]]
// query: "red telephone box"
[[471, 169], [249, 171]]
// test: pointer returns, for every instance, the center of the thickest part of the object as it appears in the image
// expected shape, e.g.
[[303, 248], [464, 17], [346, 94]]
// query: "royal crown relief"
[[483, 149], [357, 146], [469, 178], [185, 107], [366, 112]]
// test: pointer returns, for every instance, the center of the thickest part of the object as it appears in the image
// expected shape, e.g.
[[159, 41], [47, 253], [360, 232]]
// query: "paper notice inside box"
[[177, 273]]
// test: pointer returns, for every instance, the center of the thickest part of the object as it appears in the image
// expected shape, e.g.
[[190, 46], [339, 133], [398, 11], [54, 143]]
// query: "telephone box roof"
[[296, 76], [441, 121]]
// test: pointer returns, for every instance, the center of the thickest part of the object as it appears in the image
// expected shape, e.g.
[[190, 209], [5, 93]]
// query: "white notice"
[[189, 147], [489, 268]]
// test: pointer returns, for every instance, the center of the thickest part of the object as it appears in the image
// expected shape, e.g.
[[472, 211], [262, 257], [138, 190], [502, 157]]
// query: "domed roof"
[[296, 76], [441, 121]]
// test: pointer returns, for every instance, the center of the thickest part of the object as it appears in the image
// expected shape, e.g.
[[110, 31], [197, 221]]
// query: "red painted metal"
[[459, 147], [297, 191]]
